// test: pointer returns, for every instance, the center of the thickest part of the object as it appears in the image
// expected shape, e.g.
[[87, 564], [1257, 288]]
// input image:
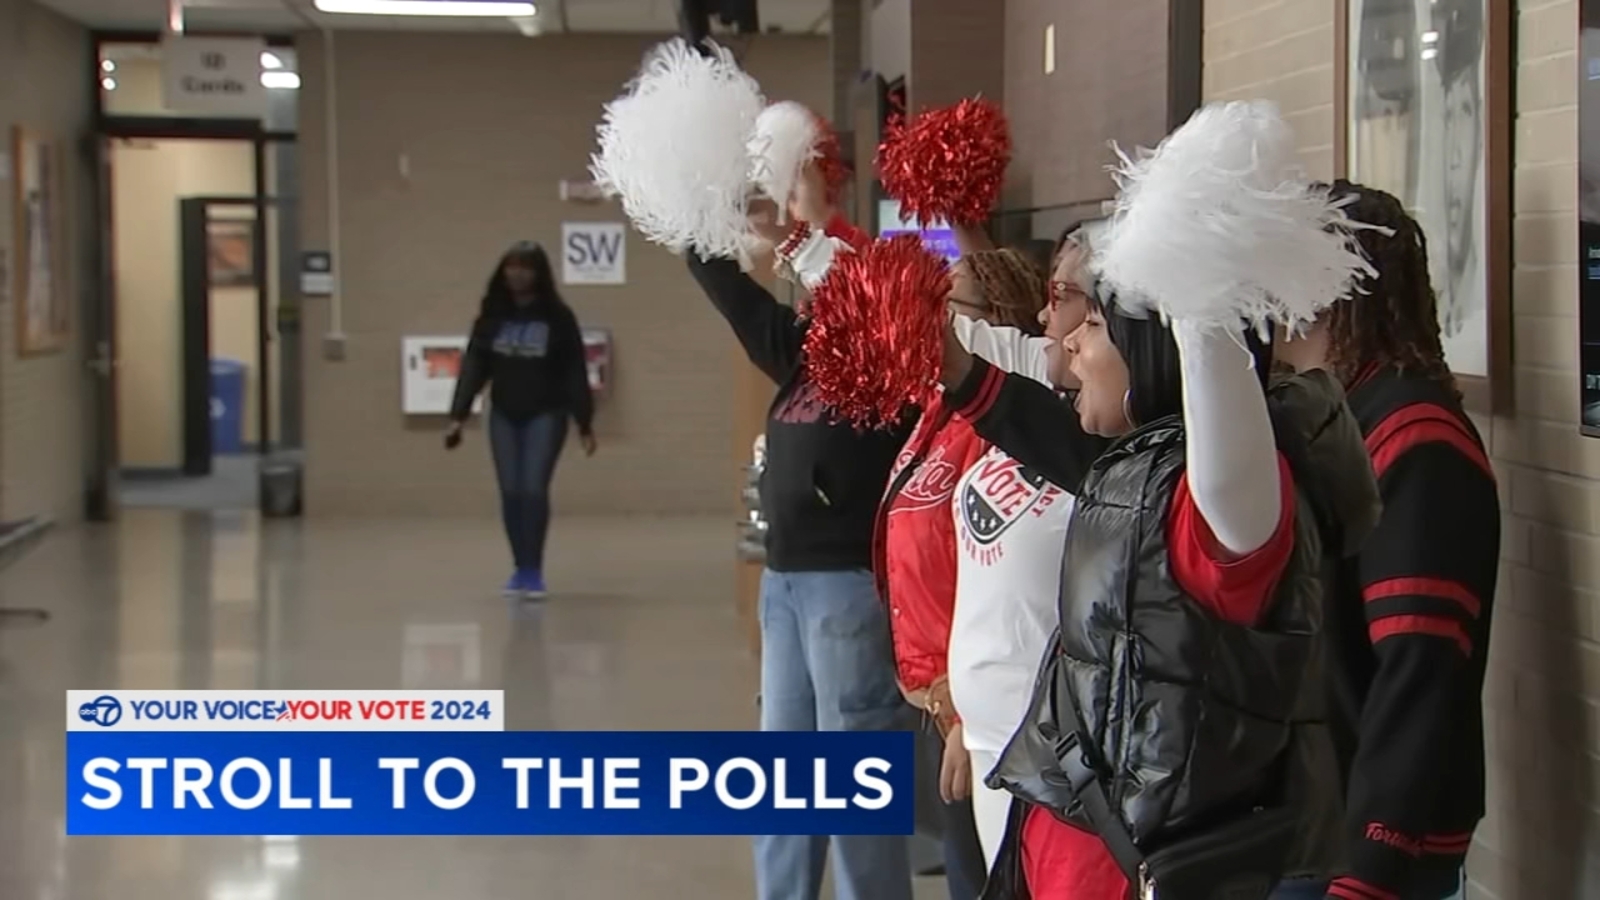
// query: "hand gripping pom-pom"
[[787, 138], [673, 148], [876, 337], [947, 164], [1219, 224]]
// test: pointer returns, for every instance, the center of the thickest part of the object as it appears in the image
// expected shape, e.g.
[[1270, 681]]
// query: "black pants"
[[525, 453], [965, 868]]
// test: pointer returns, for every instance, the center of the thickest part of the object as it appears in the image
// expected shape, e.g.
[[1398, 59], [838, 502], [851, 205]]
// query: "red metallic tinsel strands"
[[948, 163], [876, 337]]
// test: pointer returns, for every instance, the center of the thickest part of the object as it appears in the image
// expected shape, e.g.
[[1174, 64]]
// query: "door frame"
[[102, 475], [194, 219]]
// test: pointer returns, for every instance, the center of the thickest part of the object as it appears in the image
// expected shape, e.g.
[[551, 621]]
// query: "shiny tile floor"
[[641, 634]]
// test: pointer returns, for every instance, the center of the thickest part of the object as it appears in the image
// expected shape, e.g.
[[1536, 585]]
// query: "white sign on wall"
[[429, 367], [594, 253], [216, 76]]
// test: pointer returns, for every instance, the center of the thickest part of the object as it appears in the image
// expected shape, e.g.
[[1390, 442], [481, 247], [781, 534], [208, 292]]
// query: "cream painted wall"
[[148, 179]]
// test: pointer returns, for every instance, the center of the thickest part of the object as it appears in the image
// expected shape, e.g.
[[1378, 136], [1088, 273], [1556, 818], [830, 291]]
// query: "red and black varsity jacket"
[[1413, 637]]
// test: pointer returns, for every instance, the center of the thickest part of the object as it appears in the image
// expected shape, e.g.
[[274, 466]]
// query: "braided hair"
[[1393, 318], [1013, 288]]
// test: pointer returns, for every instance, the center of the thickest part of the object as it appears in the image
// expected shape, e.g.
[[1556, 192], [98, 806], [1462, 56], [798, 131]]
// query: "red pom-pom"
[[947, 163], [876, 337], [830, 159]]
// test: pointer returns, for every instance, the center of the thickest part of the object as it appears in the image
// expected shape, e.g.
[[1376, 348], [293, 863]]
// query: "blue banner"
[[489, 783]]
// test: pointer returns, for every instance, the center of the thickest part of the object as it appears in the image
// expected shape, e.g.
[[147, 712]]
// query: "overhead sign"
[[214, 76], [594, 253]]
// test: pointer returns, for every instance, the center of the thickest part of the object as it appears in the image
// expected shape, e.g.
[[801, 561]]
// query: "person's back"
[[826, 659], [1411, 628]]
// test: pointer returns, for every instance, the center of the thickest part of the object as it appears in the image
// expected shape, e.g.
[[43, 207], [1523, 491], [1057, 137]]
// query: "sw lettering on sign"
[[594, 253]]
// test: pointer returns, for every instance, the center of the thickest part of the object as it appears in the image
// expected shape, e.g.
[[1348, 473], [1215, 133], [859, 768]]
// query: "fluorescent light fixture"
[[1430, 37], [108, 83], [107, 66], [270, 60], [288, 81], [509, 9], [1430, 52]]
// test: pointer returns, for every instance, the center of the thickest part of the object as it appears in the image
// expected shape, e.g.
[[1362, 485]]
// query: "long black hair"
[[498, 303], [1155, 376]]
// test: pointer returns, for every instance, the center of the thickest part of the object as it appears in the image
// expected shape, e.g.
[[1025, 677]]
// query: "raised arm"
[[1007, 349], [769, 331], [1232, 457]]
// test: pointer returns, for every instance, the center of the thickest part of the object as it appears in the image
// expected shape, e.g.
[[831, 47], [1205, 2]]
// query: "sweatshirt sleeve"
[[575, 374], [1027, 420], [1229, 443], [1008, 349], [474, 374], [1427, 584], [770, 332]]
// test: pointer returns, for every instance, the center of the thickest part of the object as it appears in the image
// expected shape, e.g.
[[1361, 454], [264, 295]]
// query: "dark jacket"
[[1195, 720], [532, 358], [1412, 634], [823, 477]]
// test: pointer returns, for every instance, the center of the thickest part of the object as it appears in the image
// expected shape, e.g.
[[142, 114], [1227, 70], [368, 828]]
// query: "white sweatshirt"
[[1011, 530]]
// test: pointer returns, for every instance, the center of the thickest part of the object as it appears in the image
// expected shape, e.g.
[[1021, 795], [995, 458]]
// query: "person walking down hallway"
[[827, 663], [527, 348]]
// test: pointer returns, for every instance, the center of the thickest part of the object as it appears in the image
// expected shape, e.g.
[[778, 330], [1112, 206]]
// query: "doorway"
[[193, 248], [194, 331]]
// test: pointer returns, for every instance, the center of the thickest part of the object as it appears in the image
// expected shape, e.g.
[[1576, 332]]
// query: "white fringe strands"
[[673, 148], [785, 140], [1218, 224]]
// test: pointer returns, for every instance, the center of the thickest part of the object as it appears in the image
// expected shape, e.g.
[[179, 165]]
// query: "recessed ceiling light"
[[108, 83], [444, 8], [270, 60], [107, 65]]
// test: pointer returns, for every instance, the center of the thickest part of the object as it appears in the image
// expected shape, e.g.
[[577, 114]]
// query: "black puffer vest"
[[1195, 720]]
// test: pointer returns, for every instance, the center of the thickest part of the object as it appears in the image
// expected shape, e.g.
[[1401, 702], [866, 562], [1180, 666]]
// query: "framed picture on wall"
[[1425, 89], [42, 296], [231, 252]]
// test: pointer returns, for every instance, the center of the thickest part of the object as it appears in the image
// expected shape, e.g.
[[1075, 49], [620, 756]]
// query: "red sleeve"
[[840, 227], [1234, 589]]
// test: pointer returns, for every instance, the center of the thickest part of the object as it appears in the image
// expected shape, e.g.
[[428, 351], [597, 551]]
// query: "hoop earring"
[[1127, 408]]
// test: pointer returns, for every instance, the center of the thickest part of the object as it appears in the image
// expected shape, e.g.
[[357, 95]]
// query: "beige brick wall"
[[1541, 839], [488, 125], [43, 64]]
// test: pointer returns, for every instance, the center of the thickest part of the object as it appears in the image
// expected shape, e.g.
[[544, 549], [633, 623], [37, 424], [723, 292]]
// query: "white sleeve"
[[810, 261], [1007, 349], [1230, 446]]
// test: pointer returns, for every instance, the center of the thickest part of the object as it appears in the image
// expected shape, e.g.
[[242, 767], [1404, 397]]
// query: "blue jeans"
[[1311, 889], [525, 453], [827, 665]]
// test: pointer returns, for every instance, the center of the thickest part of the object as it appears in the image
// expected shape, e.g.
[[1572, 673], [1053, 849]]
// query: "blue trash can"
[[227, 406]]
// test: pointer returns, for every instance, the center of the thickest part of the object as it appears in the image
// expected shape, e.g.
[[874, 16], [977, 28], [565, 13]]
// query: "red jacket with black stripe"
[[1413, 637]]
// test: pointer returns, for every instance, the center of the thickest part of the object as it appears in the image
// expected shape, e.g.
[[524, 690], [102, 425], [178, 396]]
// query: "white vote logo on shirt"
[[999, 492]]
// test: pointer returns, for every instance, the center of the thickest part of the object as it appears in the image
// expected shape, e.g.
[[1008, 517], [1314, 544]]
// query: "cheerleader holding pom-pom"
[[1177, 743]]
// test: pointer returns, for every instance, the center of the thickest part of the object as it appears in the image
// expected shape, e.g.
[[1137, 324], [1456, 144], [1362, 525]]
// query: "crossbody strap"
[[1108, 825]]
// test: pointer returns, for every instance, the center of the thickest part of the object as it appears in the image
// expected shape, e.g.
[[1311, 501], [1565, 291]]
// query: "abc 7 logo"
[[104, 711]]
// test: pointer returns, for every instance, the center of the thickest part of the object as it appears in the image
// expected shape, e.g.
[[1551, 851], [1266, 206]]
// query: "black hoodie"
[[823, 478], [532, 358]]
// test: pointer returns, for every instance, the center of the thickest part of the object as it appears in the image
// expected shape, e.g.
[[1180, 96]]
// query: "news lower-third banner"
[[260, 763]]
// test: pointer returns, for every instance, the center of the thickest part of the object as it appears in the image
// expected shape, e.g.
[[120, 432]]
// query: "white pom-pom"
[[785, 139], [1220, 224], [673, 148]]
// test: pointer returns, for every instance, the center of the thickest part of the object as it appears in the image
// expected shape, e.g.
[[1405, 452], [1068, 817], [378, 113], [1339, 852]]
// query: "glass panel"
[[130, 84], [283, 250]]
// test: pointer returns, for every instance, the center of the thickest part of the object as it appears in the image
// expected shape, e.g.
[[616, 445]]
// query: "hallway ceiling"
[[555, 16]]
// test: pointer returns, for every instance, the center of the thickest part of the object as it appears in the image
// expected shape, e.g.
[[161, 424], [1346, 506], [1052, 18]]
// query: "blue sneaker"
[[533, 585], [516, 585]]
